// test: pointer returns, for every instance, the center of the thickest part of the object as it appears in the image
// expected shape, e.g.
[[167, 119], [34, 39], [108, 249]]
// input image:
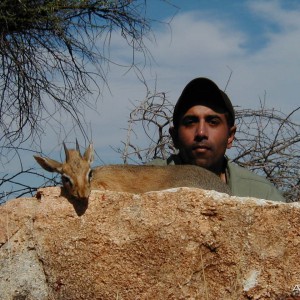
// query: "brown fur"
[[78, 183], [140, 179]]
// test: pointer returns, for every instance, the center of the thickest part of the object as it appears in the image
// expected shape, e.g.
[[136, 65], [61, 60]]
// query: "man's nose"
[[201, 130]]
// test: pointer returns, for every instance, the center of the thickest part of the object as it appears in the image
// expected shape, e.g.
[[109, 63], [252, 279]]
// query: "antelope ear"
[[49, 164], [89, 154]]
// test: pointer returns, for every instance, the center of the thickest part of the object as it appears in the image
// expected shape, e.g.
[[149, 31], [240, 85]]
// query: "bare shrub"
[[267, 141]]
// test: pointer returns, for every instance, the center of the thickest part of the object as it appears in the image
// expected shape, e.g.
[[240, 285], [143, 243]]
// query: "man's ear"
[[231, 136], [174, 135]]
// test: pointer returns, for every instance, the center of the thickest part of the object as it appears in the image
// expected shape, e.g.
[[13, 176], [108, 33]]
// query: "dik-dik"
[[79, 179]]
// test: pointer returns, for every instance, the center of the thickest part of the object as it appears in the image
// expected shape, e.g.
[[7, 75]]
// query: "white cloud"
[[204, 45], [195, 35], [273, 12]]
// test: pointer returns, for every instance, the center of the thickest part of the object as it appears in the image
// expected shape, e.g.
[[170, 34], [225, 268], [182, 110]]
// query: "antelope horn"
[[77, 148], [66, 151]]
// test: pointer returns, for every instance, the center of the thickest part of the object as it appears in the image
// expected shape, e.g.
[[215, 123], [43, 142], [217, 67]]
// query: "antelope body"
[[79, 179]]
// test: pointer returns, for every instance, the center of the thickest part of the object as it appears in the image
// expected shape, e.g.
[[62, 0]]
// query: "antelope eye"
[[90, 175], [66, 180]]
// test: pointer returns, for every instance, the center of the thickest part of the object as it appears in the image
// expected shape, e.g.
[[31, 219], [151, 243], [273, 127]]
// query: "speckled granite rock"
[[182, 243]]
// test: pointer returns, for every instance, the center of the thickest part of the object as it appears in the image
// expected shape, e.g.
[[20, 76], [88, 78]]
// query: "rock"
[[182, 243]]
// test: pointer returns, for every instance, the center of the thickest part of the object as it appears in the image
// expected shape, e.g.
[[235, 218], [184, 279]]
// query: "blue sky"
[[258, 41], [239, 13]]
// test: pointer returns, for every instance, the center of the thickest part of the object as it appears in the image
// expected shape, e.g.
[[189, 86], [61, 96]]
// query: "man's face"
[[202, 137]]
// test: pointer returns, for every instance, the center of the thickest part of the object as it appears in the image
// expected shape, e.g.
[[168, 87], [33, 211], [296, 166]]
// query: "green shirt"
[[241, 181]]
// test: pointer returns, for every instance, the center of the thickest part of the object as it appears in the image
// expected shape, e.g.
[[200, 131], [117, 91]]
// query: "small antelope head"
[[75, 172]]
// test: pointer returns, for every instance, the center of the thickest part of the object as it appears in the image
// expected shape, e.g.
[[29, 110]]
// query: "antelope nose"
[[83, 194]]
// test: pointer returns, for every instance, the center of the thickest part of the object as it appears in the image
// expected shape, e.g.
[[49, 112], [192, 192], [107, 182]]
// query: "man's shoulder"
[[157, 162], [242, 182], [246, 183], [172, 160], [244, 173]]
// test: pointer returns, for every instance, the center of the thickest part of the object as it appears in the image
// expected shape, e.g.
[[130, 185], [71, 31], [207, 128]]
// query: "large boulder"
[[182, 243]]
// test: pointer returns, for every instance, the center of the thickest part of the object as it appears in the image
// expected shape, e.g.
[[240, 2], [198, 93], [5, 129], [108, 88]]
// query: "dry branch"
[[267, 141]]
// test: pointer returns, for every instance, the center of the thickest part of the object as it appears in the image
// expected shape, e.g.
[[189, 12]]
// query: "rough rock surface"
[[176, 244]]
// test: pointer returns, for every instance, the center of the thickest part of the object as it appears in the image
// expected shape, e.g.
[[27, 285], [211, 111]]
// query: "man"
[[204, 128]]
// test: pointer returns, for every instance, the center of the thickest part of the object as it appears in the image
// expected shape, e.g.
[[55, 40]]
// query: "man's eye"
[[214, 121], [188, 121]]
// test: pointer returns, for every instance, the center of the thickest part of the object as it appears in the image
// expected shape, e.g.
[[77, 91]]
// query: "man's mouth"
[[201, 148]]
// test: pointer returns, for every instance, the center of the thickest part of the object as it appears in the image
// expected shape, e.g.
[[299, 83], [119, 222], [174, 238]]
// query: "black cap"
[[197, 90]]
